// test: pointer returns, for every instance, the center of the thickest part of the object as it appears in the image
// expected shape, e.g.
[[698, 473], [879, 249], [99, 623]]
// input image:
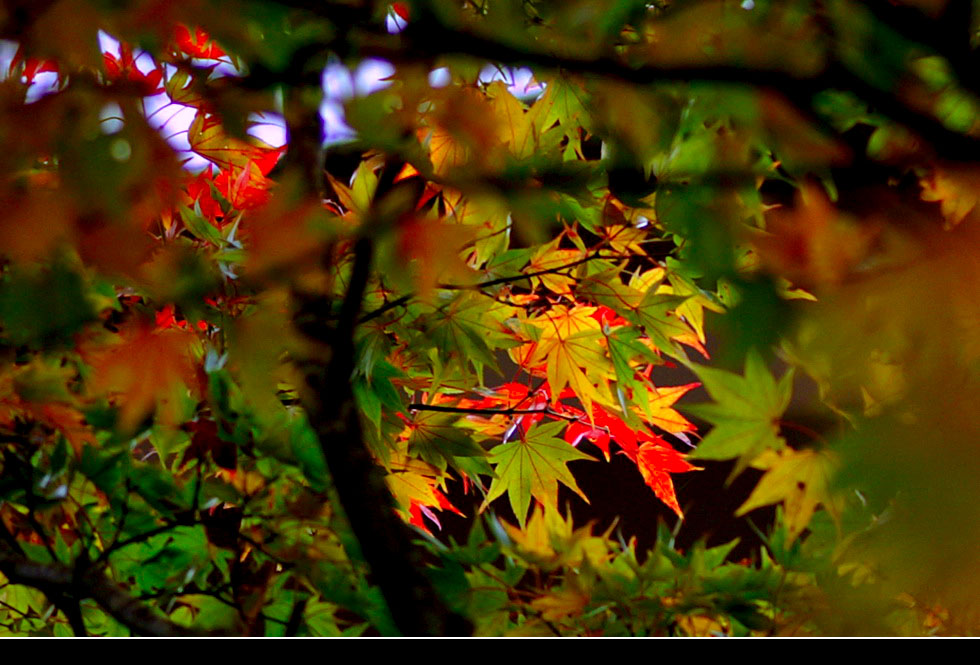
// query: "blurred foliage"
[[779, 197]]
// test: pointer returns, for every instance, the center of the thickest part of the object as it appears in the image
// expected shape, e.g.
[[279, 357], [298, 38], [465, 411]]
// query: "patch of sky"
[[341, 84], [172, 119], [43, 83], [394, 23], [520, 81], [8, 49], [111, 118]]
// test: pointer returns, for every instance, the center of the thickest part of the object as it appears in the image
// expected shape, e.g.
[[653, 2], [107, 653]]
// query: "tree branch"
[[402, 300], [427, 38], [386, 542], [492, 412], [61, 585], [523, 276]]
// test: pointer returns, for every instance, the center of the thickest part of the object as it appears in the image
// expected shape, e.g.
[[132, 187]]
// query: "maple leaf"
[[415, 485], [402, 9], [439, 441], [32, 66], [532, 467], [625, 239], [39, 391], [124, 67], [145, 368], [563, 101], [462, 129], [643, 303], [550, 257], [550, 540], [570, 342], [812, 244], [699, 625], [198, 45], [656, 314], [418, 510], [412, 480], [800, 480], [284, 235], [955, 188], [199, 195], [654, 457], [514, 128], [446, 152], [746, 411], [656, 406], [208, 138], [566, 602], [429, 250], [465, 330], [656, 460]]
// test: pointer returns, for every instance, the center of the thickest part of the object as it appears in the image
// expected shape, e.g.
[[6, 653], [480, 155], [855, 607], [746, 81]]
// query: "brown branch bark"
[[427, 37], [386, 542], [491, 412], [402, 300], [62, 586]]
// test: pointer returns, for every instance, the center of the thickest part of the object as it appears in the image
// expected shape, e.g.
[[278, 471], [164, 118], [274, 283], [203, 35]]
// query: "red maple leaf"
[[198, 190], [656, 460], [34, 66], [198, 45], [124, 68], [401, 9]]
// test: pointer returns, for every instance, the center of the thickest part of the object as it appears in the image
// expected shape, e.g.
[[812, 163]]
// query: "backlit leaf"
[[532, 467]]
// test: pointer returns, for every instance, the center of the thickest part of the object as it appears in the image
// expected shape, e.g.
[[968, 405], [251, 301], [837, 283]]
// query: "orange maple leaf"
[[813, 244], [144, 370], [656, 460]]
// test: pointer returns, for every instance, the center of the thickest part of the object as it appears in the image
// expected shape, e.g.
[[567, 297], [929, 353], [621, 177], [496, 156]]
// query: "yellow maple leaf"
[[446, 151], [699, 625], [551, 541], [570, 343], [513, 124], [657, 407], [557, 605], [955, 188], [800, 480], [561, 322], [626, 240], [550, 257]]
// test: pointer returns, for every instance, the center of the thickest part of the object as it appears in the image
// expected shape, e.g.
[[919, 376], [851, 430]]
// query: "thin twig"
[[493, 412]]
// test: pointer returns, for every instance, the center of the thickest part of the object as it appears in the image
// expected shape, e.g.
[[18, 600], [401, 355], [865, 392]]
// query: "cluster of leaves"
[[224, 393]]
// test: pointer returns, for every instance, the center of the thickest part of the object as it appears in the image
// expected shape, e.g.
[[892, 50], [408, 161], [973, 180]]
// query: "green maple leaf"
[[655, 313], [563, 102], [465, 331], [533, 466], [746, 411], [439, 441]]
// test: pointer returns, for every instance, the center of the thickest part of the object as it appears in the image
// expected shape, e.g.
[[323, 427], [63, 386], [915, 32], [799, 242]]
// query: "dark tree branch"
[[305, 152], [295, 620], [72, 610], [491, 412], [138, 538], [947, 34], [518, 278], [386, 542], [427, 37], [388, 306], [65, 588], [481, 285]]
